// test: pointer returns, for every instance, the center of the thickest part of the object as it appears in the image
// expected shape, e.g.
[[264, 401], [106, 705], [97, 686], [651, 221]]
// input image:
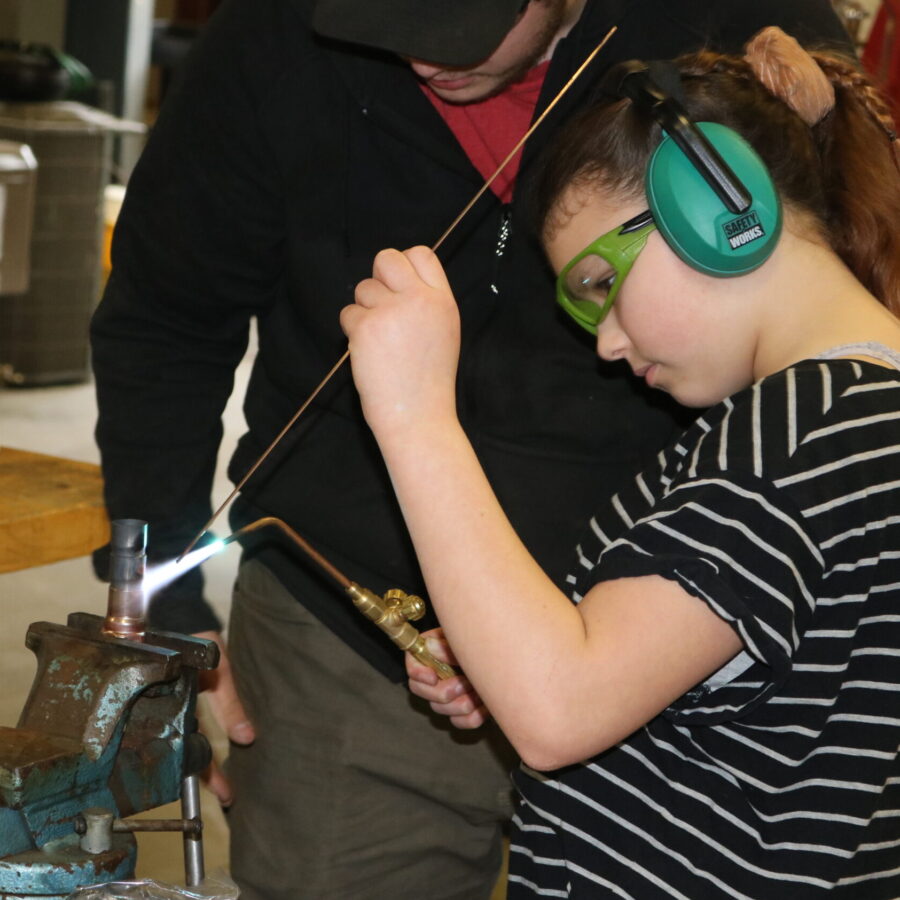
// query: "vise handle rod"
[[122, 826]]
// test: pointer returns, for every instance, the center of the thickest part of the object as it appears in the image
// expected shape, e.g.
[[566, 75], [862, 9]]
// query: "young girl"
[[718, 713]]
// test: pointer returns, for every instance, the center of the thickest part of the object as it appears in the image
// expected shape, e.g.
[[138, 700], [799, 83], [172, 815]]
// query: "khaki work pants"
[[352, 789]]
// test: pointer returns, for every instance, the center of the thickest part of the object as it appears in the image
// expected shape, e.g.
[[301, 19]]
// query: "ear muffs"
[[710, 194], [695, 222]]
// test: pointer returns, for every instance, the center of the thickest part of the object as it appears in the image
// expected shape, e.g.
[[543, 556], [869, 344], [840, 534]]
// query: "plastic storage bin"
[[44, 331], [18, 169]]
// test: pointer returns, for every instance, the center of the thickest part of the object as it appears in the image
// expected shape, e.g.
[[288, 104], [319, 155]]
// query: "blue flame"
[[159, 576]]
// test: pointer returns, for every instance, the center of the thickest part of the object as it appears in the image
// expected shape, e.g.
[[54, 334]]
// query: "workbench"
[[50, 509]]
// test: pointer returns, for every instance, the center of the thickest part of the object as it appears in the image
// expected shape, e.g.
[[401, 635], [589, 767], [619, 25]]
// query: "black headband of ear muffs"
[[656, 87]]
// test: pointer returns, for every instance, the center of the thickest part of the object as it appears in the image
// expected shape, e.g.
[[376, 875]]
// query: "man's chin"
[[461, 94], [479, 88]]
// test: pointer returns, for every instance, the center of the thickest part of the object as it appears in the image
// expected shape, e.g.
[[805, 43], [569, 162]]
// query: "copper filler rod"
[[262, 458], [560, 94]]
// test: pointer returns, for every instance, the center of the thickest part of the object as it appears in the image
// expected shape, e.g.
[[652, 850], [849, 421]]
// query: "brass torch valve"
[[392, 614]]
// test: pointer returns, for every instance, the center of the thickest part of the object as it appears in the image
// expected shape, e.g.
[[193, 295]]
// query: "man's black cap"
[[446, 32]]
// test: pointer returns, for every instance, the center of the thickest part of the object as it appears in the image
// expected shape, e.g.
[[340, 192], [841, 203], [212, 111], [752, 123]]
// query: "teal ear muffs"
[[710, 194]]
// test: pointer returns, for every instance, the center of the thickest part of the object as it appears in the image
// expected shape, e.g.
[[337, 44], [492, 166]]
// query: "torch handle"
[[391, 617]]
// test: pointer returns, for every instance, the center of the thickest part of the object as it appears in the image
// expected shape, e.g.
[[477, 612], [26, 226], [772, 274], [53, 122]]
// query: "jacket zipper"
[[503, 231]]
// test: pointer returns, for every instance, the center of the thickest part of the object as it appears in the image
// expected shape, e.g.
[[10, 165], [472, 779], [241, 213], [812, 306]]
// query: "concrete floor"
[[60, 421]]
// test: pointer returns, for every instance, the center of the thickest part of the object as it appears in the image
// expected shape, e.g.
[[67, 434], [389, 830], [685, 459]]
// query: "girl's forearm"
[[517, 637]]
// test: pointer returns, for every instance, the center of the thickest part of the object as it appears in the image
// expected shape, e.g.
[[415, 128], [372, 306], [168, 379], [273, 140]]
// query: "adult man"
[[287, 158]]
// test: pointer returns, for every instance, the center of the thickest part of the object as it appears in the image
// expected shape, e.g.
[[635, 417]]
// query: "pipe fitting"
[[125, 612]]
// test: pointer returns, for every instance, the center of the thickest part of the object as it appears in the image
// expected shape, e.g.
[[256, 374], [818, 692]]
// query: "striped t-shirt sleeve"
[[738, 545]]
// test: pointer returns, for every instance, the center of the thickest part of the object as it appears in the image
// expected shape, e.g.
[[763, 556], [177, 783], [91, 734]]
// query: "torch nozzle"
[[164, 574], [313, 554], [390, 613]]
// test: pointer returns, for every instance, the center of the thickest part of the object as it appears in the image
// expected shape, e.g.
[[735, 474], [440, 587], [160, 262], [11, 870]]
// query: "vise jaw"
[[109, 723]]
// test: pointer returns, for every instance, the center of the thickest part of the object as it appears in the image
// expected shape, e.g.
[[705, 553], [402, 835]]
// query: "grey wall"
[[38, 21]]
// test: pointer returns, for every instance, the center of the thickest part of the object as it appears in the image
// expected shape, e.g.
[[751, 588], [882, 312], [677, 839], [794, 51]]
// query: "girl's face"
[[680, 330]]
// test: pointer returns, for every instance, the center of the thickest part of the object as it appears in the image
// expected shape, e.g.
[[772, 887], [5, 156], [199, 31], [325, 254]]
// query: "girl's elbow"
[[549, 751]]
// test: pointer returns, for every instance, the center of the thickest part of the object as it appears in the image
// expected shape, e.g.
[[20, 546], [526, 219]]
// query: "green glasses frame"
[[620, 248]]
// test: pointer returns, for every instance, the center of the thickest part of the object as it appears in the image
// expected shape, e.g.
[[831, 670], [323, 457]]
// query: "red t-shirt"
[[489, 129]]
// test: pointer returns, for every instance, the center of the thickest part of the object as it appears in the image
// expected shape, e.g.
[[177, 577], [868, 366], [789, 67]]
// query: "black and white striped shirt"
[[778, 777]]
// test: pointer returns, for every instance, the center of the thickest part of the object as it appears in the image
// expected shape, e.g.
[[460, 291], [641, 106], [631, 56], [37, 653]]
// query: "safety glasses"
[[586, 288]]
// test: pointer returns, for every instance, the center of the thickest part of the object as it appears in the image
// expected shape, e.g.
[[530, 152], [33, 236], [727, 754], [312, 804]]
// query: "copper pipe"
[[126, 609]]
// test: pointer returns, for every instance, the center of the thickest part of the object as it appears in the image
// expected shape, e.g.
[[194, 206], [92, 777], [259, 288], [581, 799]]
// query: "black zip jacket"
[[278, 168]]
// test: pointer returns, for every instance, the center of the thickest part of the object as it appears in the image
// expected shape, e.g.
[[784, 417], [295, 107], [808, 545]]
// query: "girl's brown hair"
[[842, 173]]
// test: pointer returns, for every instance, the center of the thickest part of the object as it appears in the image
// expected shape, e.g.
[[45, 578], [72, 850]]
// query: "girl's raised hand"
[[404, 341], [452, 697]]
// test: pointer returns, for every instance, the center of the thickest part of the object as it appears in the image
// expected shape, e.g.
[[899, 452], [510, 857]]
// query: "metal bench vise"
[[108, 730]]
